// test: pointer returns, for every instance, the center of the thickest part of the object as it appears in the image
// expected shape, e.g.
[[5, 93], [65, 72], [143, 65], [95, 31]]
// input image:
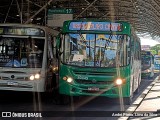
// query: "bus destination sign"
[[96, 26], [22, 31]]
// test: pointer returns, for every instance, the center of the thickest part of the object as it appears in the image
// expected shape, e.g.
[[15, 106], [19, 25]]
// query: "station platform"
[[147, 105]]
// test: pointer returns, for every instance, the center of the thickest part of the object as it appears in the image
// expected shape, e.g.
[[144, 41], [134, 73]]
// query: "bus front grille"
[[99, 92], [17, 78], [16, 86], [94, 73], [92, 92], [80, 81]]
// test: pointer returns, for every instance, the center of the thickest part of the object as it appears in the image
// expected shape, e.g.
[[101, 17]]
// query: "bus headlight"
[[37, 76], [68, 79], [33, 77], [119, 81]]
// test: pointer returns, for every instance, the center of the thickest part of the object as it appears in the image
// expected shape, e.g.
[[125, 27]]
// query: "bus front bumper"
[[20, 85], [108, 91]]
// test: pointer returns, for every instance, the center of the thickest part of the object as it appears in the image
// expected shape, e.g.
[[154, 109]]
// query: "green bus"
[[99, 58], [147, 60]]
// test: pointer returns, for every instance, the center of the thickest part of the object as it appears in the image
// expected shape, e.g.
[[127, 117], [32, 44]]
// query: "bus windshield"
[[95, 50], [21, 52], [146, 62]]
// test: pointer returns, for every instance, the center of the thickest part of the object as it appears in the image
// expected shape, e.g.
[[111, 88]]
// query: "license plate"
[[12, 83], [93, 89]]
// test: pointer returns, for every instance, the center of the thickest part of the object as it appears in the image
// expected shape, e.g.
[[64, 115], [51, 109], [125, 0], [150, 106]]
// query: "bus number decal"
[[82, 77]]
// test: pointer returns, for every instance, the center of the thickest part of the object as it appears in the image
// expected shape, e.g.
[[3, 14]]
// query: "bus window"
[[15, 51]]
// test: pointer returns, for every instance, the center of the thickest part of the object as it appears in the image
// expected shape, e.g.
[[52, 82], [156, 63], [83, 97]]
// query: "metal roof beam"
[[85, 9], [38, 11]]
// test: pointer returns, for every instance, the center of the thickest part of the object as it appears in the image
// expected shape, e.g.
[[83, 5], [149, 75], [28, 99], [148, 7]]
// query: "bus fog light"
[[69, 79], [64, 78], [37, 76], [119, 81], [31, 77]]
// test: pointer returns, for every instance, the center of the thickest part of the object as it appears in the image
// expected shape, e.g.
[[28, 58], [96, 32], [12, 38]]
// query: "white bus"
[[27, 57]]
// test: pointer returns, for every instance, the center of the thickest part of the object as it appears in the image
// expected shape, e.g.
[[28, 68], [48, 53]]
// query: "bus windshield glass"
[[146, 62], [21, 52], [95, 50]]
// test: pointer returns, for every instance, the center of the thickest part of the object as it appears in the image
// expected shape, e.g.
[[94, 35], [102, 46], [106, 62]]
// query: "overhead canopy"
[[144, 15]]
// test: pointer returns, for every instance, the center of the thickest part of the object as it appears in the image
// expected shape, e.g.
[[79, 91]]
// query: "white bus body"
[[27, 57]]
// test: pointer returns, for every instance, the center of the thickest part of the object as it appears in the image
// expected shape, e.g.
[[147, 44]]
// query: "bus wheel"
[[50, 88], [65, 99], [128, 100], [137, 90]]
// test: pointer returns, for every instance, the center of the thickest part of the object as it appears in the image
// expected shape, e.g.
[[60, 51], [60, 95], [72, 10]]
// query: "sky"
[[148, 41]]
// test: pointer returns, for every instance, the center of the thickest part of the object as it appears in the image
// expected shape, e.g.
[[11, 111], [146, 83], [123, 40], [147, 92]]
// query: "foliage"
[[155, 49]]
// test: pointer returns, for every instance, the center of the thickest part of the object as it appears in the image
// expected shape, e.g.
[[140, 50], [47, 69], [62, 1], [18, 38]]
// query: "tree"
[[155, 49]]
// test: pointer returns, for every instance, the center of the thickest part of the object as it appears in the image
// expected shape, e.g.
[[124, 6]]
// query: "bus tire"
[[137, 90], [128, 100], [65, 99], [50, 88], [56, 97]]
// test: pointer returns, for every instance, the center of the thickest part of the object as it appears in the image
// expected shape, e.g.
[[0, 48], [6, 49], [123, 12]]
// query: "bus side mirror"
[[58, 40], [57, 53], [58, 46]]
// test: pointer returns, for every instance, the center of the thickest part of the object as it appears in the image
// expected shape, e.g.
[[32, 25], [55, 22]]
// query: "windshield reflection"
[[95, 50], [21, 52]]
